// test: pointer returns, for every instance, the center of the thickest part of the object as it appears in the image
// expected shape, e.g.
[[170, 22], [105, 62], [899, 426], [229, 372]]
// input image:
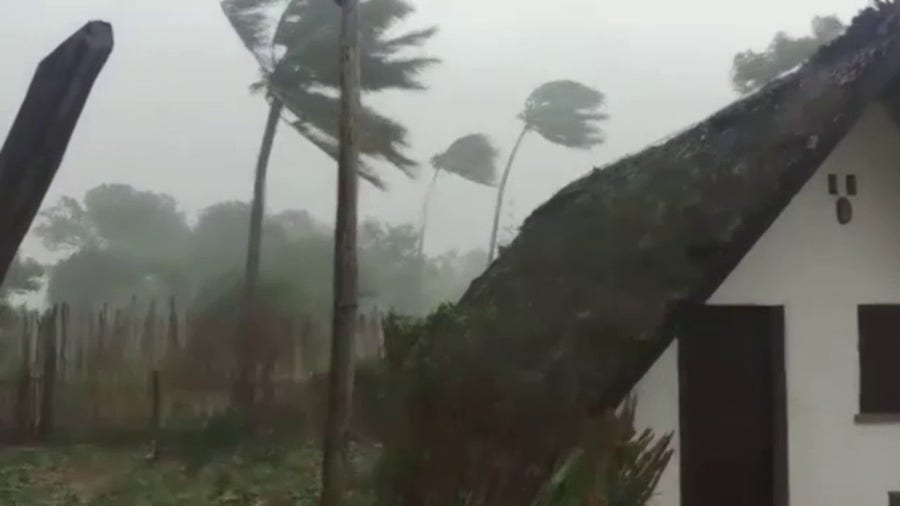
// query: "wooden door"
[[733, 437]]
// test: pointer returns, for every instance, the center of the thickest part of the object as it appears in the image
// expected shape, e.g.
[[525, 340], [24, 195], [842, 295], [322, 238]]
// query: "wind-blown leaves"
[[380, 137], [251, 20], [314, 26], [751, 70], [305, 74], [566, 113], [472, 157]]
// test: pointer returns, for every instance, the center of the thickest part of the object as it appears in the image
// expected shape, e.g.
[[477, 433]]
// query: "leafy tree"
[[751, 70], [23, 276], [471, 157], [119, 217], [120, 240], [563, 112]]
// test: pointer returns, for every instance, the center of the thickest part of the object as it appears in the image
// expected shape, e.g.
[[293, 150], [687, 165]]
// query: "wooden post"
[[37, 142], [155, 406], [64, 340], [48, 352], [335, 461], [173, 327], [23, 404]]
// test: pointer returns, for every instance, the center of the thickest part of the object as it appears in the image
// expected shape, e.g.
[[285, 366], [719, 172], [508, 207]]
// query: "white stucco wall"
[[820, 271]]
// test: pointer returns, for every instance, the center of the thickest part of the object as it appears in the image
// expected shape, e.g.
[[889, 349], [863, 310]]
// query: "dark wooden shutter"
[[879, 359]]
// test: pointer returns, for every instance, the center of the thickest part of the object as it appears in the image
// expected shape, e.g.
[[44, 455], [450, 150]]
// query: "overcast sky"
[[172, 112]]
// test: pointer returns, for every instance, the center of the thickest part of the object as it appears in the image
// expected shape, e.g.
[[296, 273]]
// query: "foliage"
[[201, 263], [471, 157], [566, 113], [117, 217], [614, 466], [113, 476], [455, 435], [751, 69], [296, 56], [23, 276]]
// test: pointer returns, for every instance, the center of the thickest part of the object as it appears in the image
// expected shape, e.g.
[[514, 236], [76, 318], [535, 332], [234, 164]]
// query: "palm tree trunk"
[[425, 208], [340, 394], [420, 256], [243, 390], [501, 190]]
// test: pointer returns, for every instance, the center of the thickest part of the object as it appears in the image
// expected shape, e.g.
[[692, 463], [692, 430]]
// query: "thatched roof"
[[591, 291]]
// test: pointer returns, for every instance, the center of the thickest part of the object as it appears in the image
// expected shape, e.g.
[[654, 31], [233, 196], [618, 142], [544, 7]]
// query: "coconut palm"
[[563, 112], [471, 157], [296, 58]]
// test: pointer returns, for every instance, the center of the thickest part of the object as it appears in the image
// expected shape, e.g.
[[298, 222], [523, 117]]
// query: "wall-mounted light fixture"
[[843, 206]]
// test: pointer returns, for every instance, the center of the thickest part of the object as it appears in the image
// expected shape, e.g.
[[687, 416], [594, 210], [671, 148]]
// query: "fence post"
[[48, 352], [154, 414], [23, 408], [64, 341]]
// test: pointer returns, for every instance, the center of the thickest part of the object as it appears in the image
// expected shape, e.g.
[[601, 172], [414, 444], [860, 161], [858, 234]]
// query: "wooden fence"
[[91, 370]]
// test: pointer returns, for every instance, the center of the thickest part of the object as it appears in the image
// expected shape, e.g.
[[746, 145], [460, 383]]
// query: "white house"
[[783, 387], [742, 278]]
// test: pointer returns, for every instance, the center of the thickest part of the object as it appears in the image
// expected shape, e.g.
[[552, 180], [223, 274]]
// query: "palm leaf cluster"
[[471, 157], [566, 113], [296, 52]]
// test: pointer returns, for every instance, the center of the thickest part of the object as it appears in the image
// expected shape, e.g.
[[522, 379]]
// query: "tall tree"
[[295, 57], [471, 157], [335, 459], [121, 241], [751, 70], [23, 276], [563, 112]]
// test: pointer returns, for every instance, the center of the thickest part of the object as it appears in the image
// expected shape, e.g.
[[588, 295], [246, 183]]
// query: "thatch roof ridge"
[[604, 266]]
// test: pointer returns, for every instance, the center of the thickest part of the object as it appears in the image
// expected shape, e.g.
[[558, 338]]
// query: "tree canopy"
[[296, 56], [751, 69], [160, 255]]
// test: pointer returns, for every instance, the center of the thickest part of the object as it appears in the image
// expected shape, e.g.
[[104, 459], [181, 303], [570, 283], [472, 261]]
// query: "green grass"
[[256, 474]]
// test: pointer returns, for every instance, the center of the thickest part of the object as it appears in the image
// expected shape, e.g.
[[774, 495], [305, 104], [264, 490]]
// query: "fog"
[[172, 111]]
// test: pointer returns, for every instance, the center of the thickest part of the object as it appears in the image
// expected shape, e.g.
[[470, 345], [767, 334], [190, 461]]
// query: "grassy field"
[[285, 474]]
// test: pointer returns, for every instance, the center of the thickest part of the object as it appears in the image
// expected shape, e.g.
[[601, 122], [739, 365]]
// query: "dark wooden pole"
[[335, 459], [48, 383], [155, 416], [23, 398], [35, 146]]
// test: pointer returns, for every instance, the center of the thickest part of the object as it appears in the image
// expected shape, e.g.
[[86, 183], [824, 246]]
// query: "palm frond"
[[314, 26], [472, 157], [566, 113], [329, 145], [252, 20], [305, 74], [408, 40], [379, 137]]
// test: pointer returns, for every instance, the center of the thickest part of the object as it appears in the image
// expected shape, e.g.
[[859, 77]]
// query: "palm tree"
[[471, 157], [563, 112], [300, 73]]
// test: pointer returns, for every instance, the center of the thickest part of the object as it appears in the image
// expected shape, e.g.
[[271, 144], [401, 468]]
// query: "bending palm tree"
[[473, 158], [299, 71], [563, 112]]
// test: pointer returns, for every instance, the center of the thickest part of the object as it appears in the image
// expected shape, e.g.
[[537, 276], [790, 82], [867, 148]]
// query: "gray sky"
[[172, 112]]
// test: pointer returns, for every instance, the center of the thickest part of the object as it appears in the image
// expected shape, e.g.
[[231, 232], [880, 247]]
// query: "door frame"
[[776, 335]]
